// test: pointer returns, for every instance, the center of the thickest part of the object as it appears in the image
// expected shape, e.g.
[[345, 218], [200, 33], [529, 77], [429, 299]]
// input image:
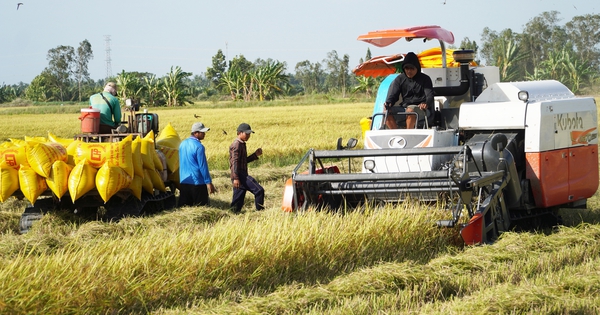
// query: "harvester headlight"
[[369, 165], [523, 96]]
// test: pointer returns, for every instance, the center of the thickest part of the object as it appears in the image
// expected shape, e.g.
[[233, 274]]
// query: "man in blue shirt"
[[195, 182], [109, 106]]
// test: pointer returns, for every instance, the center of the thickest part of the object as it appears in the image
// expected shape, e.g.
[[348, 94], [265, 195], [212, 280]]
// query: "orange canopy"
[[384, 38], [379, 66]]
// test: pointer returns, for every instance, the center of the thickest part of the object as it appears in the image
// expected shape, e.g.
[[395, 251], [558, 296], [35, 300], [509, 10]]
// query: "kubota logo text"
[[566, 122]]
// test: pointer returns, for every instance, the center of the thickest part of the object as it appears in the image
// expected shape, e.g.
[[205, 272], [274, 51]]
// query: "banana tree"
[[233, 81], [174, 88], [268, 79], [152, 86]]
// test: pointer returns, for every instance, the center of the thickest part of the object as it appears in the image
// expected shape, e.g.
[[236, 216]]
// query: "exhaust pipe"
[[463, 56]]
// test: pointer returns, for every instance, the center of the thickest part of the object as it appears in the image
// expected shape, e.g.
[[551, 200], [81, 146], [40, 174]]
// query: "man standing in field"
[[238, 165], [194, 177], [109, 106]]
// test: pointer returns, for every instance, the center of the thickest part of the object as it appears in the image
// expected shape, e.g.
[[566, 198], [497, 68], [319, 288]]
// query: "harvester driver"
[[109, 106], [416, 90]]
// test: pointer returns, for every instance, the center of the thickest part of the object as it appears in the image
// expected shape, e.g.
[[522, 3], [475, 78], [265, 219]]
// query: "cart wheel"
[[29, 217], [118, 208]]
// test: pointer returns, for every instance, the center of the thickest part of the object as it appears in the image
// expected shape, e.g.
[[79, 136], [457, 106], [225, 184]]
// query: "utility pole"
[[108, 65]]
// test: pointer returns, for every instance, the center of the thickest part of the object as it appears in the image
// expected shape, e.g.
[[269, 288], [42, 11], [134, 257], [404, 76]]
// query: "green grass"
[[205, 260]]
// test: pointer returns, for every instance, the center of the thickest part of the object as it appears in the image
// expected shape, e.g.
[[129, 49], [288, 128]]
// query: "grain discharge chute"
[[491, 152]]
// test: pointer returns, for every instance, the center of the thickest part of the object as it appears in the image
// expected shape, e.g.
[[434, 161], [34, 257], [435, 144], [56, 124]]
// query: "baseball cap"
[[244, 127], [199, 127]]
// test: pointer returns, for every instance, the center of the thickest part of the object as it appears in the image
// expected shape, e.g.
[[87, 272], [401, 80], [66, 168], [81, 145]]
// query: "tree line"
[[545, 49], [568, 53]]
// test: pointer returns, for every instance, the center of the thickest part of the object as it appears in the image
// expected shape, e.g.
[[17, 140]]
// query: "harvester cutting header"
[[491, 152]]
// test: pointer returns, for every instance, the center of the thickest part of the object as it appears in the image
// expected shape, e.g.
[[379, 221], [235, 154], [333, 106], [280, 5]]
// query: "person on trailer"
[[416, 90], [195, 180], [109, 106]]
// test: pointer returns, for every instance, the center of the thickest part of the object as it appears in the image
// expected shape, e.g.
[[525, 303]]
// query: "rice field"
[[206, 260]]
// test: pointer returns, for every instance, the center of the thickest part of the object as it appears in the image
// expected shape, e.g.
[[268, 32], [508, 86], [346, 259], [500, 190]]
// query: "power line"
[[108, 61]]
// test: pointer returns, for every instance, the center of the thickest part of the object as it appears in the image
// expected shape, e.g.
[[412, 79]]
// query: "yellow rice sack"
[[35, 139], [148, 151], [18, 142], [31, 183], [156, 180], [136, 186], [136, 157], [64, 141], [58, 181], [172, 156], [82, 179], [72, 151], [97, 154], [168, 137], [158, 162], [432, 58], [42, 155], [14, 156], [9, 181], [110, 179], [147, 181]]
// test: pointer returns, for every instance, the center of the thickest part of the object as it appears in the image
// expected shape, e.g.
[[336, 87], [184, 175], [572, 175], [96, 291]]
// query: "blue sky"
[[151, 36]]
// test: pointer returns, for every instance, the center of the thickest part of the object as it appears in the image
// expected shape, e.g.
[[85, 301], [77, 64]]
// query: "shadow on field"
[[574, 217], [547, 223]]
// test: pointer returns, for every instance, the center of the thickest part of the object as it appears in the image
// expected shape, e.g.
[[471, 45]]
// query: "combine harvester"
[[490, 152], [125, 173]]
